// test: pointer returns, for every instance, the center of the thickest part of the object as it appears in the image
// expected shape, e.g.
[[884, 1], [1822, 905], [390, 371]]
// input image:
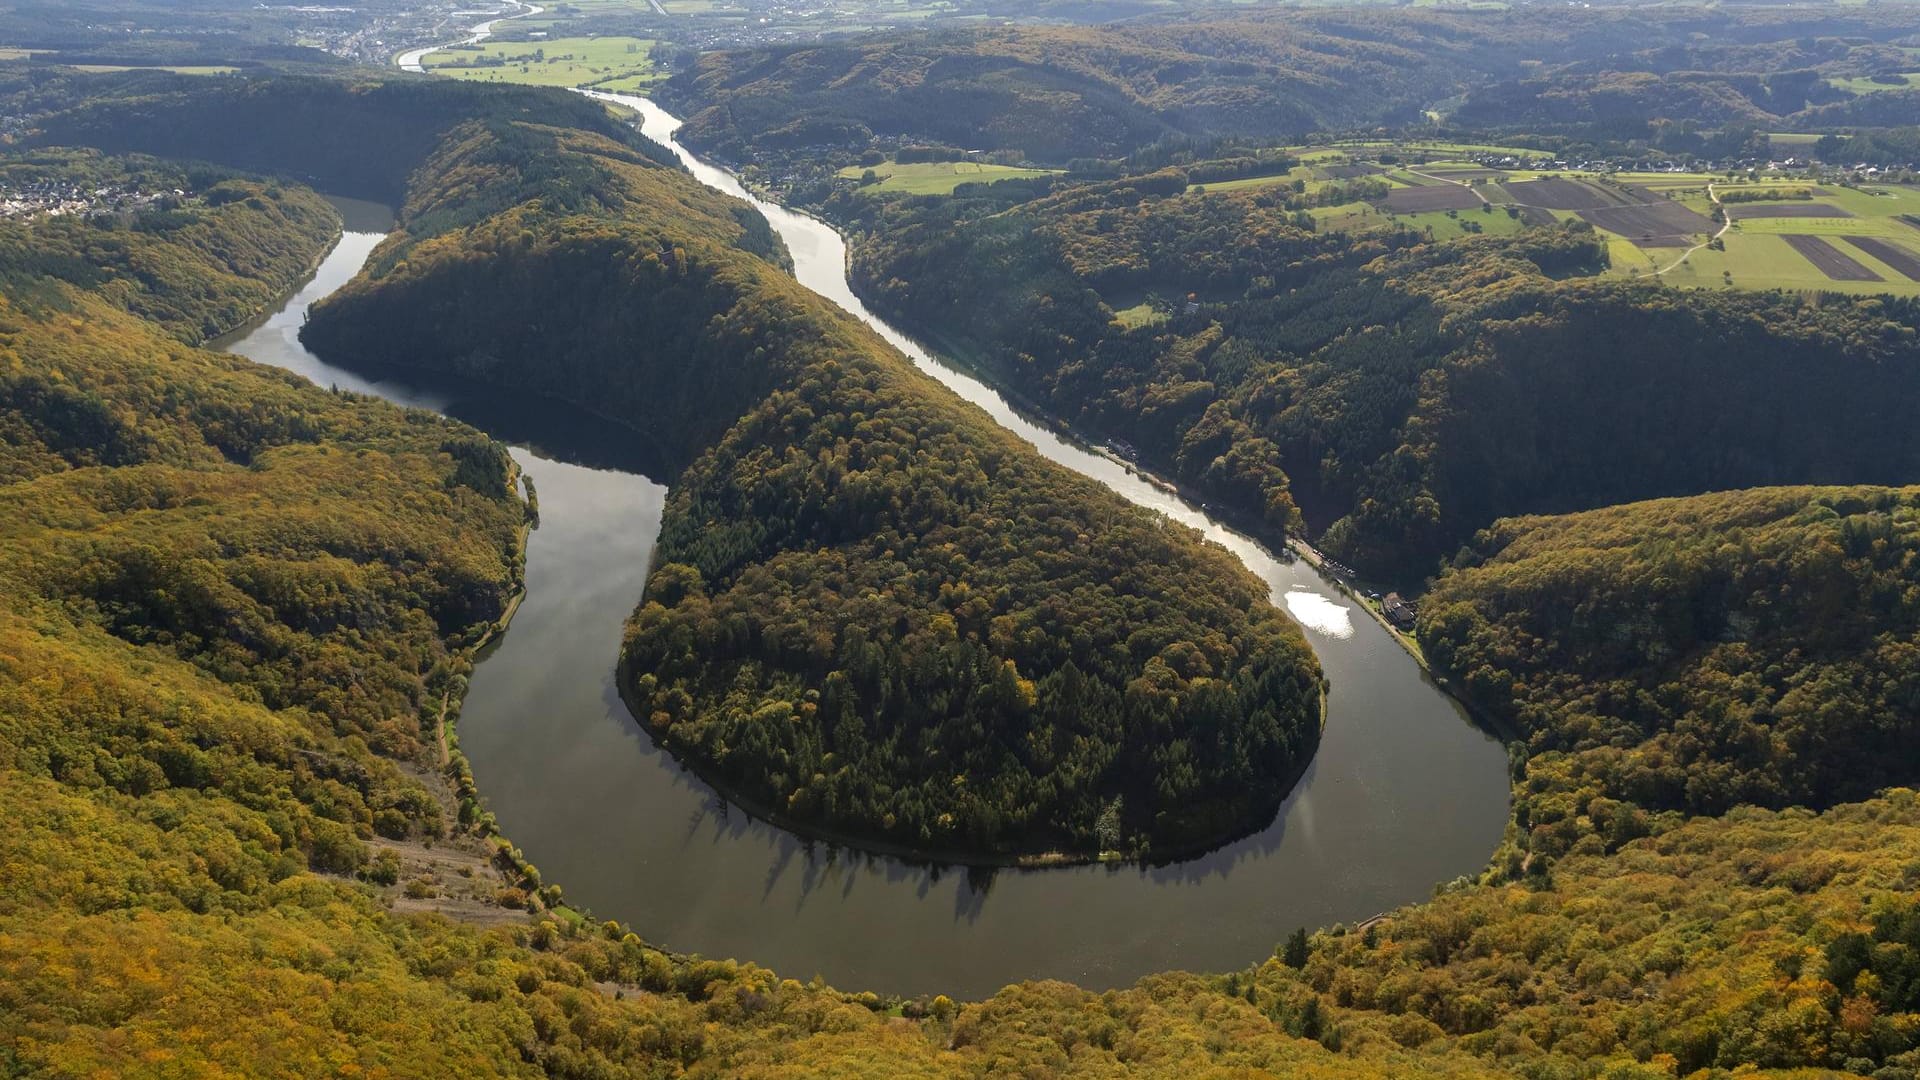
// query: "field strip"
[[1445, 180], [1830, 260], [1890, 254]]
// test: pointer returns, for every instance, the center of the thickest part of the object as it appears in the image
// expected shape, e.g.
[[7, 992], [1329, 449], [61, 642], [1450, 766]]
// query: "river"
[[414, 59], [1403, 792]]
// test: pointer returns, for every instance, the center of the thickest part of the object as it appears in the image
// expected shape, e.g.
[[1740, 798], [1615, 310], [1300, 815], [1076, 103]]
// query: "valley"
[[935, 522]]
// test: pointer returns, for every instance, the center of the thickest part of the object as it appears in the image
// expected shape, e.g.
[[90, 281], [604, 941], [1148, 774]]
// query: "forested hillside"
[[1402, 393], [1054, 93], [549, 253], [199, 262], [1695, 654], [873, 612], [359, 139]]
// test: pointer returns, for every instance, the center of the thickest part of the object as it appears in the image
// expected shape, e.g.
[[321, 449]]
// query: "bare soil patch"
[[453, 877], [1431, 197], [1830, 260], [1743, 211], [1889, 253], [1657, 225], [1561, 193]]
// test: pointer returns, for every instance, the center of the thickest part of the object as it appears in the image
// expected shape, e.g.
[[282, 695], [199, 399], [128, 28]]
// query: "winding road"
[[1726, 222]]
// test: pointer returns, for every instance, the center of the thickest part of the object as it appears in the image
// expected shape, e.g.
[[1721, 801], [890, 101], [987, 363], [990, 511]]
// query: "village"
[[50, 199], [1803, 164]]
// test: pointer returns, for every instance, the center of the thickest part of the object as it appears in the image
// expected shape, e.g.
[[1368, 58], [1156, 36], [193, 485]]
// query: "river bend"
[[1403, 792]]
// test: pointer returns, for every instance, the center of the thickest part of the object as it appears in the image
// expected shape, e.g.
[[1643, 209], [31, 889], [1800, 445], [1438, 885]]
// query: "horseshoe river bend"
[[1403, 792]]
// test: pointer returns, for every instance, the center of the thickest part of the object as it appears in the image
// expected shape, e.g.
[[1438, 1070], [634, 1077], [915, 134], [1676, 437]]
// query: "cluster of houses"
[[58, 199], [1400, 612], [1860, 170]]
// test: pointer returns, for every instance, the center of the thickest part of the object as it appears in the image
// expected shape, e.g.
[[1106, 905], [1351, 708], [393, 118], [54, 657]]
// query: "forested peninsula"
[[873, 611]]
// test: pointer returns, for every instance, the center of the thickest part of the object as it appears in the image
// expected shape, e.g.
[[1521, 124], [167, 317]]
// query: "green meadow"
[[1865, 85], [936, 177], [604, 63]]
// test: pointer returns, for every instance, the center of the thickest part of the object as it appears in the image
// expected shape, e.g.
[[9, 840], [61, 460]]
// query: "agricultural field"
[[1463, 172], [1752, 211], [1765, 261], [1349, 171], [1844, 239], [1847, 238], [1563, 193], [1874, 84], [937, 177], [1350, 217], [1830, 260], [1441, 149], [1433, 196], [1439, 224], [1900, 258], [605, 63], [1659, 223], [1408, 179], [1448, 225], [1309, 177], [8, 54]]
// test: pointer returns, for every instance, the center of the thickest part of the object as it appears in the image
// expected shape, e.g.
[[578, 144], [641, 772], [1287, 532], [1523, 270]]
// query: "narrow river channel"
[[1403, 793]]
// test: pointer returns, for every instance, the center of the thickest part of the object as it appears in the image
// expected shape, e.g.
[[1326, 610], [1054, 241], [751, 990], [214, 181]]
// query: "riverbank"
[[967, 358], [224, 340], [268, 338]]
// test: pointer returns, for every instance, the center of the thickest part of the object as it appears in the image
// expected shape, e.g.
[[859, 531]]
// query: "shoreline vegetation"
[[455, 770]]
